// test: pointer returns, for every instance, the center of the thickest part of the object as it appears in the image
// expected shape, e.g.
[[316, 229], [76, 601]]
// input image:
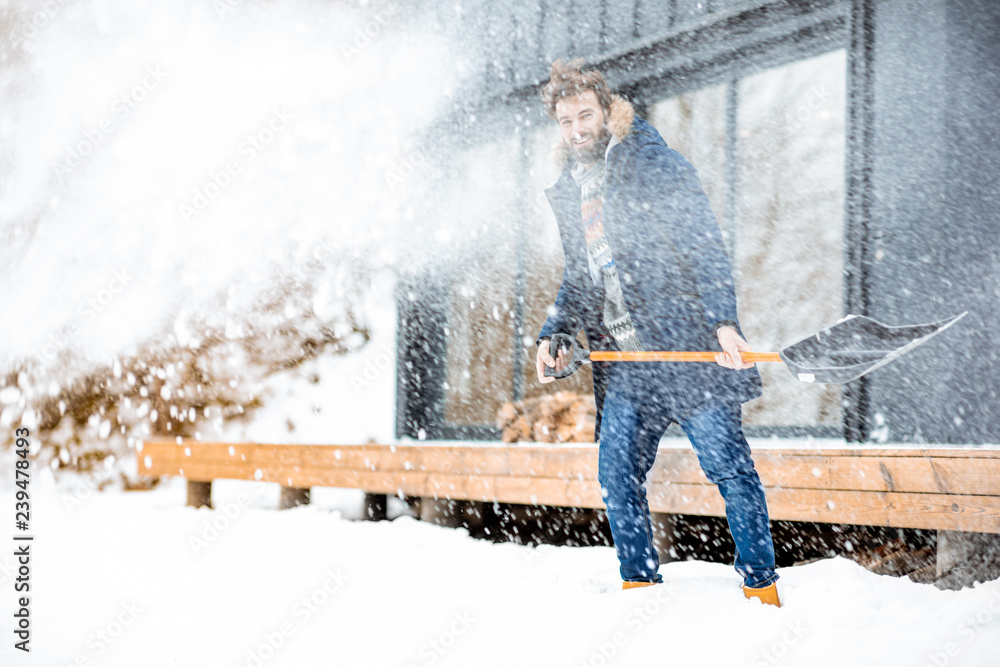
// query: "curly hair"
[[566, 80]]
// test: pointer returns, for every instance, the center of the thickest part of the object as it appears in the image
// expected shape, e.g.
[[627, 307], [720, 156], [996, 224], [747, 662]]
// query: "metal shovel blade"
[[854, 346]]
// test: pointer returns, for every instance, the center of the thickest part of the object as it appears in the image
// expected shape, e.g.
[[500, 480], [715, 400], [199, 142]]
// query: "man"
[[646, 269]]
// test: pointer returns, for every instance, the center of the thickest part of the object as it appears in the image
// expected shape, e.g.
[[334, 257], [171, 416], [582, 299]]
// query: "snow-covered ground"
[[138, 579]]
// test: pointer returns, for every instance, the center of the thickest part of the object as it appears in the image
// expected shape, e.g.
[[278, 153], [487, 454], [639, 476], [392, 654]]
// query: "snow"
[[331, 399], [281, 153], [273, 140], [137, 578]]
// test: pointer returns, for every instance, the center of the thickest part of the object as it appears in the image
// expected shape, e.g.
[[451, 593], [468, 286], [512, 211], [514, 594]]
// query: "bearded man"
[[646, 269]]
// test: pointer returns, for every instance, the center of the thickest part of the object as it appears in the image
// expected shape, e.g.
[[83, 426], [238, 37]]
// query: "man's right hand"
[[544, 359]]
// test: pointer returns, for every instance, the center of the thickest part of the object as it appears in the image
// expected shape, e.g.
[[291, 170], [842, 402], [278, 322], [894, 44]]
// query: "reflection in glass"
[[790, 222]]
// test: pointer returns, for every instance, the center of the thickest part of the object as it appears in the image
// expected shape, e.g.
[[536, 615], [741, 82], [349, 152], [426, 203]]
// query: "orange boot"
[[767, 594], [636, 584]]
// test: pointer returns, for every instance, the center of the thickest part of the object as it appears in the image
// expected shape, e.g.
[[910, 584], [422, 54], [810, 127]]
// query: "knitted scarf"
[[599, 256]]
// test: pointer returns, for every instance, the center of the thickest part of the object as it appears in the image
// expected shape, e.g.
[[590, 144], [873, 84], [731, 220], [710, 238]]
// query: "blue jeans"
[[633, 423]]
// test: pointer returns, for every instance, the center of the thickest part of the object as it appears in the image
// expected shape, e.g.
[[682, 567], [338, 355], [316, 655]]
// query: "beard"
[[595, 151]]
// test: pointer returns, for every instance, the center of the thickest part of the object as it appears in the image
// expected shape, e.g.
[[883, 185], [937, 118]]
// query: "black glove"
[[577, 355]]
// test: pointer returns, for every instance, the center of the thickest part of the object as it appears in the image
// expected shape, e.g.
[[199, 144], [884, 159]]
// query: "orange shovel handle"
[[678, 356]]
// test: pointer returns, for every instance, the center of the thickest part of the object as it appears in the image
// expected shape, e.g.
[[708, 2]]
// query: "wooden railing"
[[944, 488]]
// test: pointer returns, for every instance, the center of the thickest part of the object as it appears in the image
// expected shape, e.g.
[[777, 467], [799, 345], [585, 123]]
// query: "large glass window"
[[790, 223], [769, 149], [544, 263], [482, 334], [482, 266], [694, 125]]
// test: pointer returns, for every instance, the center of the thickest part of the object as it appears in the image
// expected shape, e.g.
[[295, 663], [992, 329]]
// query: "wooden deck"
[[944, 488]]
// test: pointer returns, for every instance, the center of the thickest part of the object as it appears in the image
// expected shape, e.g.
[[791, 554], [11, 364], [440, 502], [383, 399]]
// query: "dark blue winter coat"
[[676, 277]]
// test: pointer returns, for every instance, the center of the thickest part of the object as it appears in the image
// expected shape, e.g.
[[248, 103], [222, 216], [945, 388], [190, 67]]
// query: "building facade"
[[848, 148]]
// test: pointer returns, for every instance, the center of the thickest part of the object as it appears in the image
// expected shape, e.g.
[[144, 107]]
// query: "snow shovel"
[[852, 347]]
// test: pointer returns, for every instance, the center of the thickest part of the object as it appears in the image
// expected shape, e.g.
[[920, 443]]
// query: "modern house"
[[848, 147]]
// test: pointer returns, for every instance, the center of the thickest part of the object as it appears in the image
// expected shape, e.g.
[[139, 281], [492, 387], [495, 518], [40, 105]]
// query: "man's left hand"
[[732, 344]]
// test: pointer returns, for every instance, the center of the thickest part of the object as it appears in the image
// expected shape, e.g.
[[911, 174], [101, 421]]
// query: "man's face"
[[581, 121]]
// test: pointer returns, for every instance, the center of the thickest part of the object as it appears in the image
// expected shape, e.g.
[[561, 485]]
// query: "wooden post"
[[414, 503], [664, 535], [964, 559], [293, 498], [441, 511], [472, 513], [199, 494], [376, 507]]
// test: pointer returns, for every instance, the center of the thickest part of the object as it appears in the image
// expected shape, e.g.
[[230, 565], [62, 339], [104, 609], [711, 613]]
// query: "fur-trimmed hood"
[[620, 116], [675, 277]]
